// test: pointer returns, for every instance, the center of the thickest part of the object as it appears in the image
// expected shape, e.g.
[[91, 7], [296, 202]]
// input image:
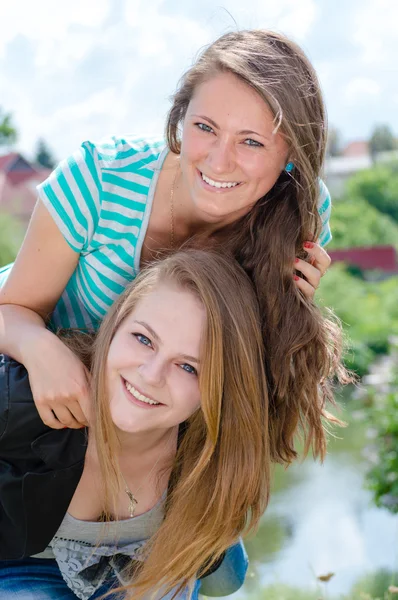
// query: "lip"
[[137, 402], [215, 190]]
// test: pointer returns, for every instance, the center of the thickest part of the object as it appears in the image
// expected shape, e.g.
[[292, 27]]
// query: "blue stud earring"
[[289, 167]]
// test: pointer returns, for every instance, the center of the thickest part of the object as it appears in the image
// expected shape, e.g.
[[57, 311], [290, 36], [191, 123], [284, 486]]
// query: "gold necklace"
[[172, 209], [132, 499]]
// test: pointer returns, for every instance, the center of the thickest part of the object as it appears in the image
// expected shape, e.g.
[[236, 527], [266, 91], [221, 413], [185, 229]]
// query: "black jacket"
[[40, 468]]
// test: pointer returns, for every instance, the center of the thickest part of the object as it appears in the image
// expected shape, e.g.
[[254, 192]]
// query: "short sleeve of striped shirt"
[[72, 195], [324, 208]]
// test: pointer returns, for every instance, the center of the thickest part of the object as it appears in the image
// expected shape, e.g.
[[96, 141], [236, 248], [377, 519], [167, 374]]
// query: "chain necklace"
[[132, 499], [172, 209]]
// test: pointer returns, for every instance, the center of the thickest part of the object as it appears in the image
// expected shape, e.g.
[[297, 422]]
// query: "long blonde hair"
[[220, 479]]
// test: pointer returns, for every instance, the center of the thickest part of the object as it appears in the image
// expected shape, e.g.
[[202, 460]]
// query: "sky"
[[85, 69]]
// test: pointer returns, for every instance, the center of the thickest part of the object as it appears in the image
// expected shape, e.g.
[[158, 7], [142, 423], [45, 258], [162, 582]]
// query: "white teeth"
[[138, 395], [217, 184]]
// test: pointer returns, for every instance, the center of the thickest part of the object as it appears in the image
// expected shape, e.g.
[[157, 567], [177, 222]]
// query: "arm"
[[37, 280]]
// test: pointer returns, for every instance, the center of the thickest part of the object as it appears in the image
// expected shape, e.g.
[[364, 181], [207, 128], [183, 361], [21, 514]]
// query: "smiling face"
[[230, 157], [153, 361]]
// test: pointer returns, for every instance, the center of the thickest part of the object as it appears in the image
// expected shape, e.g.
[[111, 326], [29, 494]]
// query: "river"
[[321, 520]]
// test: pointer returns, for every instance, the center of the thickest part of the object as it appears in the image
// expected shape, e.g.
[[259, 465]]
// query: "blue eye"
[[143, 339], [254, 143], [204, 127], [189, 369]]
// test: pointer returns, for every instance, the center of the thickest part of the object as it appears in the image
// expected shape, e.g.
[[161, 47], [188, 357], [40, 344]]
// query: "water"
[[321, 520]]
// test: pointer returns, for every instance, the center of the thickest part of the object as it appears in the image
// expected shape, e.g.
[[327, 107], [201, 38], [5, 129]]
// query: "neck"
[[146, 443]]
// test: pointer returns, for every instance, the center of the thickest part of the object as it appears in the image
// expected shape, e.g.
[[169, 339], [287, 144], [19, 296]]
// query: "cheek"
[[260, 169], [188, 396], [193, 145]]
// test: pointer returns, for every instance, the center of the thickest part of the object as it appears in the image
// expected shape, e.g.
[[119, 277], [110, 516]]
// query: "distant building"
[[339, 169], [380, 259], [354, 157], [18, 181], [356, 148]]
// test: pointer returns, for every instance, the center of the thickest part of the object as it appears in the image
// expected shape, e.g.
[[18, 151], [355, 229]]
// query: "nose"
[[221, 156], [153, 371]]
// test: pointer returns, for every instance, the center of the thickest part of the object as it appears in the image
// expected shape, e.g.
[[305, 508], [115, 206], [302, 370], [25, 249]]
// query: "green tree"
[[8, 133], [381, 140], [379, 187], [44, 155], [368, 311], [383, 475], [355, 222], [11, 236]]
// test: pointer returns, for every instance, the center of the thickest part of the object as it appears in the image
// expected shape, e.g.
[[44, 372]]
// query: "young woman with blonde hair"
[[177, 464]]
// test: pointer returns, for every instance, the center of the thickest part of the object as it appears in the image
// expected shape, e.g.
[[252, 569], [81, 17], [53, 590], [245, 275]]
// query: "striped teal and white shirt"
[[101, 199]]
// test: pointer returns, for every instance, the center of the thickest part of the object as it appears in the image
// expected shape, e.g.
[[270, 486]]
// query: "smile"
[[130, 388], [219, 184]]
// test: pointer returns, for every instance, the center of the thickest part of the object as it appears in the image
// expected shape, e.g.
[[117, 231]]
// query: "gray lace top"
[[88, 552]]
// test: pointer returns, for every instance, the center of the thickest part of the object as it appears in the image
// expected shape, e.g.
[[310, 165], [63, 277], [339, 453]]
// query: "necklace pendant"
[[132, 502]]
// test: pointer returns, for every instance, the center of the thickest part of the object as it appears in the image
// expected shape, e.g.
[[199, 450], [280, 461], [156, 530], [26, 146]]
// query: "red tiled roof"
[[356, 148], [18, 181], [381, 258], [6, 159]]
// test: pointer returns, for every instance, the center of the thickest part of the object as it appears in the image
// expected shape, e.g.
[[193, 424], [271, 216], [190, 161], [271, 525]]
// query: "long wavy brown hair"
[[302, 346], [220, 478]]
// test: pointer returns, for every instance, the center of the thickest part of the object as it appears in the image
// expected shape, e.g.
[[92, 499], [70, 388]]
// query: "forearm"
[[21, 329]]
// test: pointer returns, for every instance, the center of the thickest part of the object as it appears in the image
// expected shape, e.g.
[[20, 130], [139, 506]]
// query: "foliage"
[[368, 311], [44, 155], [383, 476], [8, 133], [10, 238], [356, 223], [381, 140], [379, 187]]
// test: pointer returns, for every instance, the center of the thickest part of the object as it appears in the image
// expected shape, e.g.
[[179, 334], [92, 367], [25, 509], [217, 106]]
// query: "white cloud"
[[376, 32], [360, 87], [49, 24], [94, 67]]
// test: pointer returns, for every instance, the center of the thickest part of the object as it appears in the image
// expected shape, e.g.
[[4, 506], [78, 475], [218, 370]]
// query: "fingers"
[[303, 285], [76, 410], [49, 418], [320, 258], [310, 272], [318, 263], [59, 414]]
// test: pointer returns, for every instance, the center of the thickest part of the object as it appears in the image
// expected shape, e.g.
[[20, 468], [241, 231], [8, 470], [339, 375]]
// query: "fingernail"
[[296, 278], [296, 260], [308, 245]]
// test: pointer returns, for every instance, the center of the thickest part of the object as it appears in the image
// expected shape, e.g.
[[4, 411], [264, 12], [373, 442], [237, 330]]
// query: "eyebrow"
[[157, 339], [243, 132]]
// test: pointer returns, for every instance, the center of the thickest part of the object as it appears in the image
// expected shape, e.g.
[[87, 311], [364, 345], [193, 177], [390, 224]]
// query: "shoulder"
[[324, 209], [20, 422], [324, 200], [125, 152]]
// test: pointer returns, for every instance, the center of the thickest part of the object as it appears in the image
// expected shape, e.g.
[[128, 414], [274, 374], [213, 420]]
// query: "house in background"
[[18, 181], [376, 262], [354, 157]]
